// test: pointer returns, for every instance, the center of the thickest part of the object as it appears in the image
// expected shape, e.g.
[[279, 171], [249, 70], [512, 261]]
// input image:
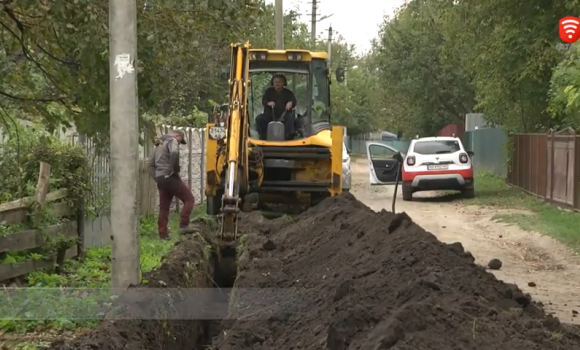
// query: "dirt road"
[[528, 258]]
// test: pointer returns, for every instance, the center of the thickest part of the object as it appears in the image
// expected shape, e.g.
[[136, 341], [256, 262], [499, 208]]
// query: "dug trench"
[[178, 307], [339, 276]]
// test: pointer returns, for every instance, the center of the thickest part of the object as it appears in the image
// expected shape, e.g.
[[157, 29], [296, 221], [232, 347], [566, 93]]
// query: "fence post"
[[202, 166], [179, 146], [41, 191], [82, 140], [189, 157], [551, 165], [576, 173], [516, 159], [528, 159], [537, 165]]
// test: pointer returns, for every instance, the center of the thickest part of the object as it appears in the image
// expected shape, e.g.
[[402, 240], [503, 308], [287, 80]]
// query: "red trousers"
[[168, 188]]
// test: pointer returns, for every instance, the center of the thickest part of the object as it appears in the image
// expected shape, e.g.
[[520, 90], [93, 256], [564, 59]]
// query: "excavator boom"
[[236, 140]]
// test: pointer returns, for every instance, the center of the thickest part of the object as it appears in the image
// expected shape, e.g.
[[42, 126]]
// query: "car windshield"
[[436, 147]]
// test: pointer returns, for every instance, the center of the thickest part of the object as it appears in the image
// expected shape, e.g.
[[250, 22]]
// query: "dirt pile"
[[188, 266], [341, 276]]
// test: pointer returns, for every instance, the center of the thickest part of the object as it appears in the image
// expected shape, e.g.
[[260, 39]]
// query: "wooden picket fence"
[[27, 211]]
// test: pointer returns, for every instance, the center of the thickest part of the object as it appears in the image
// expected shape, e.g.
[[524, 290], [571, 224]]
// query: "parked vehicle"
[[431, 163], [346, 174]]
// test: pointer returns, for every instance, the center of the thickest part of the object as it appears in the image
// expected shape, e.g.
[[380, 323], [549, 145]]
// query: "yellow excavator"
[[285, 172]]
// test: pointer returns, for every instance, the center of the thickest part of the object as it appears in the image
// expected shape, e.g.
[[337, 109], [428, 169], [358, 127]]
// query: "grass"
[[544, 218], [42, 309]]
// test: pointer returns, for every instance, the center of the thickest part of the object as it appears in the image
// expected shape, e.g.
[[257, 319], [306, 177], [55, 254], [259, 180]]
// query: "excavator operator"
[[277, 99]]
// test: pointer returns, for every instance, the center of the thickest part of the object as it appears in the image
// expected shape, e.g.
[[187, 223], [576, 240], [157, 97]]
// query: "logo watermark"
[[569, 29], [563, 47]]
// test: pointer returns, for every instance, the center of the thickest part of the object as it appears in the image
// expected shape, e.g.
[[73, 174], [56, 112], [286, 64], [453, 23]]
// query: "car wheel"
[[469, 193], [407, 193]]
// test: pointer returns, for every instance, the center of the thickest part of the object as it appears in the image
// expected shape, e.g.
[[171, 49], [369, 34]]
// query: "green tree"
[[55, 57], [565, 91], [55, 61], [442, 59], [420, 64], [512, 57]]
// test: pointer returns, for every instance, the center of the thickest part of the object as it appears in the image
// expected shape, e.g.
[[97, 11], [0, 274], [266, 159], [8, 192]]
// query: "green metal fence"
[[358, 146], [487, 144], [489, 148]]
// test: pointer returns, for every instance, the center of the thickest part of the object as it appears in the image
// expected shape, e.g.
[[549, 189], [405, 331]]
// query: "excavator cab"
[[306, 75]]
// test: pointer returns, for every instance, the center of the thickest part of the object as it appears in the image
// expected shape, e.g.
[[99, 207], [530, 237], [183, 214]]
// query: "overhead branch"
[[31, 99], [20, 38]]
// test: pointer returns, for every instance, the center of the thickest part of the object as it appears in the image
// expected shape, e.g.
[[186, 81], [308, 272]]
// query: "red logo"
[[570, 29]]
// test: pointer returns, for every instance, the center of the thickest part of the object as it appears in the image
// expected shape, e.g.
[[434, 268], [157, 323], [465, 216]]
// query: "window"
[[320, 92], [307, 80], [437, 147], [381, 152], [260, 82]]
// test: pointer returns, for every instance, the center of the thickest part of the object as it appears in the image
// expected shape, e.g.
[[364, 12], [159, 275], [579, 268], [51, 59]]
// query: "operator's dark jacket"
[[280, 99]]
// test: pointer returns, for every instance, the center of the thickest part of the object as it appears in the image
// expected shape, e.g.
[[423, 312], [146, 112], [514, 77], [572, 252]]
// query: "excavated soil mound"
[[188, 266], [341, 276]]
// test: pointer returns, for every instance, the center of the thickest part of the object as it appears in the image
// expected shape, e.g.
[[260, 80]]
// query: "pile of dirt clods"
[[341, 276]]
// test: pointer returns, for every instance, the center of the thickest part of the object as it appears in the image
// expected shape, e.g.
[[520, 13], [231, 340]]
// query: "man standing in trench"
[[164, 168]]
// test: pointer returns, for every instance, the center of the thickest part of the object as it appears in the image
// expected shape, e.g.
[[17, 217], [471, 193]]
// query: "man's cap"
[[182, 134]]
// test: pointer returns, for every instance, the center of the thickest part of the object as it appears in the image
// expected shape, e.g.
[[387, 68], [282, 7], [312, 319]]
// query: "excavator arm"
[[236, 179]]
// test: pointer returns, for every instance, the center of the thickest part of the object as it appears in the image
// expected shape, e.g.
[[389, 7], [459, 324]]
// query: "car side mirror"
[[398, 157], [470, 153]]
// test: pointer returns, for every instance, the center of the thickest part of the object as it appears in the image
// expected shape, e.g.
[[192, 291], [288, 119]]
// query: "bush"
[[20, 155]]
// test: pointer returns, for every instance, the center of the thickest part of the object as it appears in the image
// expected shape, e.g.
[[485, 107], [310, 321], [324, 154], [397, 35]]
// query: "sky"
[[357, 21]]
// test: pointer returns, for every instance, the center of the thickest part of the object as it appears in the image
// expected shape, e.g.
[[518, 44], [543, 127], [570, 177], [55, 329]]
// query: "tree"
[[357, 102], [425, 84], [55, 65], [565, 91], [512, 59], [55, 57], [442, 59]]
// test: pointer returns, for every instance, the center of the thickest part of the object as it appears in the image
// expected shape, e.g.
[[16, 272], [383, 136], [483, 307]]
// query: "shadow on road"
[[440, 198]]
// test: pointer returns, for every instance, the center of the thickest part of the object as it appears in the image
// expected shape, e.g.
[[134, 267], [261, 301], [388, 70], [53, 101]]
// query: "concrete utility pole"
[[329, 44], [313, 24], [279, 25], [124, 143]]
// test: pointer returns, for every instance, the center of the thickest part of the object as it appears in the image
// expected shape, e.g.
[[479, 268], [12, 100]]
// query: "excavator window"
[[307, 80]]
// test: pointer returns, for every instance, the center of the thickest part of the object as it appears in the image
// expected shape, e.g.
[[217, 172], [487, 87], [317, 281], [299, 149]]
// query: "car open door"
[[383, 164]]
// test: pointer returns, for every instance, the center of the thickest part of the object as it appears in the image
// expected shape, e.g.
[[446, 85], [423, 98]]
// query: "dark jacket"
[[164, 161], [280, 98]]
